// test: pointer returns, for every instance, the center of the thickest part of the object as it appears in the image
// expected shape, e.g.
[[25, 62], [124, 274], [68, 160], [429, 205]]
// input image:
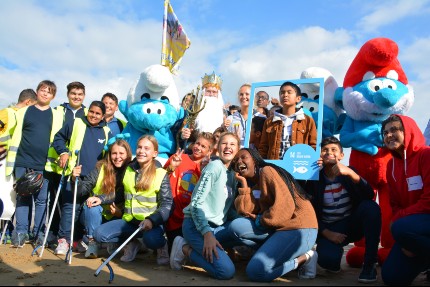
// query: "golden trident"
[[193, 110]]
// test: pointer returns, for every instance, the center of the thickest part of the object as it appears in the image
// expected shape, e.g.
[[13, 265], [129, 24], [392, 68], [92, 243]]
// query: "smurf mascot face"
[[153, 103], [375, 85], [374, 99], [152, 107]]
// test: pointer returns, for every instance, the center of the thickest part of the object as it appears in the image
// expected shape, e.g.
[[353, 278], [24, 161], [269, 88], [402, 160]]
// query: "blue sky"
[[107, 44]]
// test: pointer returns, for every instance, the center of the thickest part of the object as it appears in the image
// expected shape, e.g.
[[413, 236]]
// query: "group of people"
[[214, 195]]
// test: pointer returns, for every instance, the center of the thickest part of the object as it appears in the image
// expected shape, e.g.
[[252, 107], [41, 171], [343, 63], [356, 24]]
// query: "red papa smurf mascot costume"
[[374, 87]]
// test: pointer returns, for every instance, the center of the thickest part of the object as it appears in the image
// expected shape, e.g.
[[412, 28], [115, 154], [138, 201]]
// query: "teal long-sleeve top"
[[212, 201]]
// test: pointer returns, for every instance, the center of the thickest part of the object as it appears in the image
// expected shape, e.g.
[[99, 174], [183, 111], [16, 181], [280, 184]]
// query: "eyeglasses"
[[262, 98], [391, 130]]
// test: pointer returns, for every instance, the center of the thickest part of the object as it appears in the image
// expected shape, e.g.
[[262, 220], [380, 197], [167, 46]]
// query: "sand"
[[19, 268]]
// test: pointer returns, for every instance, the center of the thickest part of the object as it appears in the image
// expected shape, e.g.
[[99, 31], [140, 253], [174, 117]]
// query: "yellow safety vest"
[[62, 110], [139, 204], [6, 136], [52, 161], [17, 135], [76, 140], [97, 191]]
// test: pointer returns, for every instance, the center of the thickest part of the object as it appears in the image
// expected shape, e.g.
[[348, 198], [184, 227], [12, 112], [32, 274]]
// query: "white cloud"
[[382, 13], [107, 52]]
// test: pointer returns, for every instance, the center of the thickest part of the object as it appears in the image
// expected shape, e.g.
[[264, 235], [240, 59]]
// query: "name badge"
[[415, 183], [256, 193]]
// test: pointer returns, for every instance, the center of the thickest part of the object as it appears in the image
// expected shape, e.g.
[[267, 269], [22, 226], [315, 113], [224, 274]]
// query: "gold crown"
[[212, 80]]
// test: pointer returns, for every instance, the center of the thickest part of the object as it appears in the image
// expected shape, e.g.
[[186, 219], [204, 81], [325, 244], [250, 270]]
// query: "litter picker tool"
[[106, 262], [69, 253], [60, 186]]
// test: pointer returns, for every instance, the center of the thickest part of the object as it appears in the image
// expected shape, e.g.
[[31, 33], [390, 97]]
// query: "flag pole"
[[164, 37]]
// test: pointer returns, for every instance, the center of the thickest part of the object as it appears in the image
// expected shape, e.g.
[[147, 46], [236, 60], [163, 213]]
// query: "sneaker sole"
[[17, 246], [367, 280]]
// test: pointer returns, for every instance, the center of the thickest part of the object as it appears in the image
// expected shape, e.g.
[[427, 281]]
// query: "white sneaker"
[[177, 257], [309, 269], [62, 247], [130, 250], [163, 255]]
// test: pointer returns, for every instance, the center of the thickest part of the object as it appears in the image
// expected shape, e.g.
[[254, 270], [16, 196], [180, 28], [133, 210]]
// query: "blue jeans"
[[413, 234], [278, 249], [24, 206], [91, 218], [365, 221], [67, 206], [221, 268], [246, 231], [119, 230]]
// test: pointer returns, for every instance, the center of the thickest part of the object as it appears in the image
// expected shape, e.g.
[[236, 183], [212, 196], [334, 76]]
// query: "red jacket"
[[413, 167]]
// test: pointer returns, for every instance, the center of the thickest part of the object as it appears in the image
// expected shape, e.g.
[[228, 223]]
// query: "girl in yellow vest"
[[148, 203], [104, 186]]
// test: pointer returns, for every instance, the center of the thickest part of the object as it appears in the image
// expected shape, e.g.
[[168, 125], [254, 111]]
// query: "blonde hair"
[[207, 136], [224, 134], [148, 172], [244, 85]]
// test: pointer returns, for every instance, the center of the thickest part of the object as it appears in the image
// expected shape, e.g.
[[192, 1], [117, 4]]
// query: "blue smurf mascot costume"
[[152, 107]]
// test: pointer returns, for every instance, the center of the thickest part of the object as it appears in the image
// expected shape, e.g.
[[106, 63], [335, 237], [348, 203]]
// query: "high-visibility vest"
[[97, 191], [17, 135], [6, 136], [76, 140], [52, 161], [140, 203], [63, 110]]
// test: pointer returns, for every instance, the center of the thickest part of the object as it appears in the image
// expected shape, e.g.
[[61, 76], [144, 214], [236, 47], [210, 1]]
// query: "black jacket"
[[357, 192]]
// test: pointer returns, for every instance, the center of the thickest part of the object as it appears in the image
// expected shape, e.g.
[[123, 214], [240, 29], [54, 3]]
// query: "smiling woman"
[[276, 210], [409, 186], [237, 122]]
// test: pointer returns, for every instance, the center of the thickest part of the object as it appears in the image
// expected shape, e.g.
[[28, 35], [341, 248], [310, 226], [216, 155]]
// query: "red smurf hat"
[[376, 58]]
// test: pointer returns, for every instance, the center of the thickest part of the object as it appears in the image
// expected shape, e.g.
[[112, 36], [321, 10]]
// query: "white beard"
[[212, 116]]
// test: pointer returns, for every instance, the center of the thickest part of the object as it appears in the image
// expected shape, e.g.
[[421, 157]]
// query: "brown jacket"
[[276, 205], [302, 132]]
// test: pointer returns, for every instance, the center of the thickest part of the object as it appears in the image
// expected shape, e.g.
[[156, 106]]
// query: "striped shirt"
[[337, 203]]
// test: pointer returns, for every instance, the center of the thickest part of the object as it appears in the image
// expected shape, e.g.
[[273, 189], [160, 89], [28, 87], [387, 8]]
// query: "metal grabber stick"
[[106, 262], [51, 216], [69, 252]]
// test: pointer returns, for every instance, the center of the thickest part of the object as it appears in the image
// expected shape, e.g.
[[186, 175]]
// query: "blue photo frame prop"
[[300, 160]]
